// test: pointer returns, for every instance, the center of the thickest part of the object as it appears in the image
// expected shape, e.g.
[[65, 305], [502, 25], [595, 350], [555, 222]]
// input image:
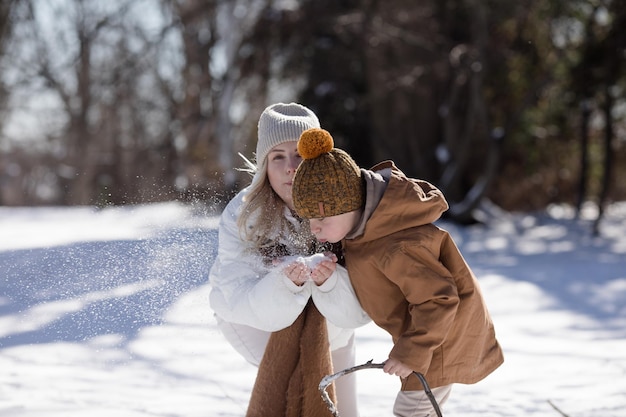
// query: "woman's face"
[[282, 162]]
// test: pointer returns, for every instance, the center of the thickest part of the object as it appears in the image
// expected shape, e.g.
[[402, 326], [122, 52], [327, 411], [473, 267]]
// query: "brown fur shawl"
[[294, 362]]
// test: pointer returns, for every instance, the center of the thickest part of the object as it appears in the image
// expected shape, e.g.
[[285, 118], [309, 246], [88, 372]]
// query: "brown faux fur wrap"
[[295, 361]]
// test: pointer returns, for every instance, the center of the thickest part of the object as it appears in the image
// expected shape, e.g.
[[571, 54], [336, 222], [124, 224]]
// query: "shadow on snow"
[[87, 289]]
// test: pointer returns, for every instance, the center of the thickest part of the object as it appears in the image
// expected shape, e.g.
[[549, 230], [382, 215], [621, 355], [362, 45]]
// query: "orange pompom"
[[314, 142]]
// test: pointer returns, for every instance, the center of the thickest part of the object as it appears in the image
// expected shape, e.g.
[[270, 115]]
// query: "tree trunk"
[[585, 114]]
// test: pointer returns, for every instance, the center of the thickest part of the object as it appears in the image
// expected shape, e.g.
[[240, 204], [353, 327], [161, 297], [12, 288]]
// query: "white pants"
[[251, 342], [417, 403]]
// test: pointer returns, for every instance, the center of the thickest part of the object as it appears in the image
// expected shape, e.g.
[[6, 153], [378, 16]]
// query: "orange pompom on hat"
[[328, 181]]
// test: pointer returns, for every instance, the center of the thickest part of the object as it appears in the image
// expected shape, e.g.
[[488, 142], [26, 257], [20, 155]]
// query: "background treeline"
[[128, 101]]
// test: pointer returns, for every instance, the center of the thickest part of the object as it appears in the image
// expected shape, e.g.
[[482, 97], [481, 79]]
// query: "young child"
[[407, 273]]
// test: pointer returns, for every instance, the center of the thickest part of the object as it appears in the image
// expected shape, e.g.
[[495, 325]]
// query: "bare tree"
[[595, 80], [112, 142], [147, 115], [234, 53], [137, 103]]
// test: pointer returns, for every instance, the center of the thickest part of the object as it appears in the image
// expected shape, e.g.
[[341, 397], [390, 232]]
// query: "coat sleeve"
[[336, 300], [432, 297], [243, 290]]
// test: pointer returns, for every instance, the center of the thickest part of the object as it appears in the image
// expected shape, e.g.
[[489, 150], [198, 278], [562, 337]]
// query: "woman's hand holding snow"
[[328, 285], [324, 268], [245, 291], [317, 268]]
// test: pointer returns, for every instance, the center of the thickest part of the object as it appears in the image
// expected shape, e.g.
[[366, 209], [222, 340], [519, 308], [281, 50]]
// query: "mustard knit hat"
[[280, 123], [328, 181]]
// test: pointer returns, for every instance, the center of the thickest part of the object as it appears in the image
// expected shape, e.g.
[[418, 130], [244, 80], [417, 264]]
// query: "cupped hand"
[[297, 272], [324, 269], [303, 270]]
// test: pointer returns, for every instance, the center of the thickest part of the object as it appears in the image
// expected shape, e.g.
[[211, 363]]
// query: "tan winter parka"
[[413, 282]]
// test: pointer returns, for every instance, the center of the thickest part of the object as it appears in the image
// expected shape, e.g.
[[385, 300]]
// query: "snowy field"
[[105, 313]]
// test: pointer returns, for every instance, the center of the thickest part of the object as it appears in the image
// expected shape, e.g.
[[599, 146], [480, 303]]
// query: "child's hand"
[[395, 367]]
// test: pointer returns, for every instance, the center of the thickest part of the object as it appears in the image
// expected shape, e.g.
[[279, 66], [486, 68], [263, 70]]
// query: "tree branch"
[[557, 409], [328, 379]]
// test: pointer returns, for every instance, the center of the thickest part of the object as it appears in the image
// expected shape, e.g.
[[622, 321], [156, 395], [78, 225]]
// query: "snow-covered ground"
[[105, 313]]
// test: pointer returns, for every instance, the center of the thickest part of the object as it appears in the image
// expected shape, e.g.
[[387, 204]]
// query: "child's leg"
[[417, 403], [345, 387]]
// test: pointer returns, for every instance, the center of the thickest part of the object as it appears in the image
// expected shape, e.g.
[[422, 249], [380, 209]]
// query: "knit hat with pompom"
[[328, 181]]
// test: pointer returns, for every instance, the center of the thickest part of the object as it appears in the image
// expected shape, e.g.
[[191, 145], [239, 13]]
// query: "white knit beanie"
[[280, 123]]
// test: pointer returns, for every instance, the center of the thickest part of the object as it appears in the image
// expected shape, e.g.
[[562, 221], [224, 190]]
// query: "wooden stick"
[[557, 409], [328, 379]]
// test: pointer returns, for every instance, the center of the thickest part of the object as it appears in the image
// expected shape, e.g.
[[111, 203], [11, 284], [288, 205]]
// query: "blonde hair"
[[262, 220]]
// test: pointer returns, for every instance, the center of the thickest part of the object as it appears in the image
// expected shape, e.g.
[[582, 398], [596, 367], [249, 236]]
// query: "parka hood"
[[395, 202]]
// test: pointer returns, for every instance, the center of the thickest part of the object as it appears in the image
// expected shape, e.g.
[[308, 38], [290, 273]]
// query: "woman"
[[257, 287]]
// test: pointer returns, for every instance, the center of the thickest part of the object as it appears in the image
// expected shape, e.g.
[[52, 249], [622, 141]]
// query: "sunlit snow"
[[104, 312]]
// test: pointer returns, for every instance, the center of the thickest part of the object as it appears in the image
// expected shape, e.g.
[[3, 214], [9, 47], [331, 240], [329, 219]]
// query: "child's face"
[[334, 228]]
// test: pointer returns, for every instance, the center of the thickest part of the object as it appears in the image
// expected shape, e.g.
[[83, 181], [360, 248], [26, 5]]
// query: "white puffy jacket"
[[245, 291]]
